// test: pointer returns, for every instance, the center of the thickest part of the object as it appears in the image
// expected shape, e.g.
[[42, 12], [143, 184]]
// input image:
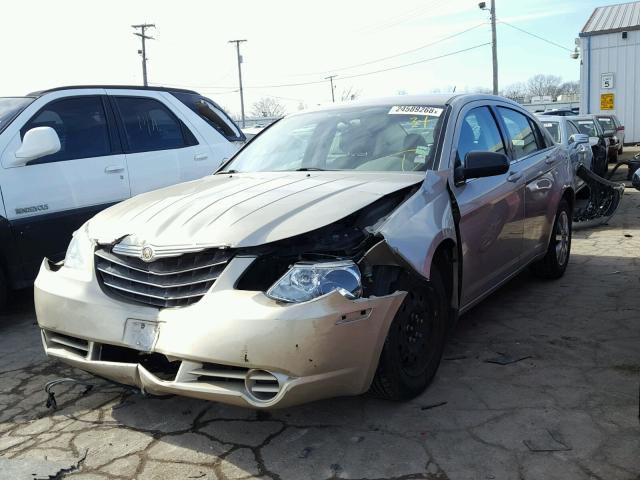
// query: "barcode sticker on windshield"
[[415, 110]]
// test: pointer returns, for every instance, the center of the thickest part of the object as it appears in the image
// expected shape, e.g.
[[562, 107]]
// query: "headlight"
[[306, 281], [79, 249]]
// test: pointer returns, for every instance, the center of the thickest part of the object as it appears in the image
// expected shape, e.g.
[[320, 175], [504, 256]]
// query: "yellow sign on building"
[[606, 101]]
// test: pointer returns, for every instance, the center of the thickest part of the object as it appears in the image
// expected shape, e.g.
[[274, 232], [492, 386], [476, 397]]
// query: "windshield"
[[554, 129], [606, 123], [10, 107], [379, 138], [587, 127]]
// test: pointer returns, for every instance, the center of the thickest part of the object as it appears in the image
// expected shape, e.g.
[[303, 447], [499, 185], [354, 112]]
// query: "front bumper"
[[233, 346]]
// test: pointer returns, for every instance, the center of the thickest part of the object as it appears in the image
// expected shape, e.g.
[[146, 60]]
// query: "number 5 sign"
[[606, 80]]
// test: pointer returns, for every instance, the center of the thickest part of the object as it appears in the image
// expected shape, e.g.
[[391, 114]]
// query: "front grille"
[[167, 282]]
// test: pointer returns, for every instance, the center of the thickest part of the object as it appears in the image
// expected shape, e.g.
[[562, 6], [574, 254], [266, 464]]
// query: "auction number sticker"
[[415, 110]]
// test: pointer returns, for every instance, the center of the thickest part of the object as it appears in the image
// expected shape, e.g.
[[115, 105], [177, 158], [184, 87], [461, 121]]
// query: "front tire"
[[413, 348], [555, 262]]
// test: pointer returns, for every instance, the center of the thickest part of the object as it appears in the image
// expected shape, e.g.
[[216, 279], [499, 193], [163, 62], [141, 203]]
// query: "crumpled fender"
[[418, 226]]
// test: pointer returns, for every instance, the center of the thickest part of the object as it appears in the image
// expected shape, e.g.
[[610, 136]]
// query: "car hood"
[[244, 209]]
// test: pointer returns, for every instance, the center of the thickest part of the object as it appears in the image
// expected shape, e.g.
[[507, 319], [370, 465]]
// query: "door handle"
[[200, 156], [514, 176], [113, 169], [549, 159]]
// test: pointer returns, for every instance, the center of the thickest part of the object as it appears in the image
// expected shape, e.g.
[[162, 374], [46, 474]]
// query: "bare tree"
[[516, 91], [267, 107], [569, 88], [541, 85], [350, 94]]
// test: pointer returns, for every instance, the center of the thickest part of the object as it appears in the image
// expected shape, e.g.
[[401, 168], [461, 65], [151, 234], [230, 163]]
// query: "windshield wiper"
[[310, 169], [227, 171]]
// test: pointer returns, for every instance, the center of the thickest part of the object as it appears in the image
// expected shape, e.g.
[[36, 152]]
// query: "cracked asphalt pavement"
[[560, 401]]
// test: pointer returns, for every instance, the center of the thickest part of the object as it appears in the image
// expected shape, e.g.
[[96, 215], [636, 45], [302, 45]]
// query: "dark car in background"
[[611, 123], [599, 142]]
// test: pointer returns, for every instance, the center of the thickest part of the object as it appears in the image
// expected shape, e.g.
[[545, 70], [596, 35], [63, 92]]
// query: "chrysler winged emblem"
[[147, 254]]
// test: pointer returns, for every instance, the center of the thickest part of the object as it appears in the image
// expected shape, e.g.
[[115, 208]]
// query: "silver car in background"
[[564, 132], [329, 257]]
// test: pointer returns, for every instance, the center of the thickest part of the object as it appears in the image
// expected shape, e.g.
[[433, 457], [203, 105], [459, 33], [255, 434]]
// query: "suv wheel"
[[555, 262], [415, 341]]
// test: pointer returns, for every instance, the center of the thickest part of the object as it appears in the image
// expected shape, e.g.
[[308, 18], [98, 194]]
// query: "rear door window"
[[81, 125], [149, 125], [521, 134], [213, 114]]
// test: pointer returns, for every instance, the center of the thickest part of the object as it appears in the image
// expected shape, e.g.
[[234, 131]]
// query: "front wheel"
[[415, 341], [555, 262]]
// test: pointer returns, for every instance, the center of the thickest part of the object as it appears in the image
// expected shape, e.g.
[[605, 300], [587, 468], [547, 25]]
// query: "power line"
[[419, 61], [536, 36], [406, 52], [315, 82]]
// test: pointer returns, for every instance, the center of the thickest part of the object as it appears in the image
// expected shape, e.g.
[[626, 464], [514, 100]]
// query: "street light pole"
[[238, 42], [330, 78], [494, 47], [494, 41], [143, 52]]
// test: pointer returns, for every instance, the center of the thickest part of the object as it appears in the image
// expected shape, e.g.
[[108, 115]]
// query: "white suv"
[[69, 152]]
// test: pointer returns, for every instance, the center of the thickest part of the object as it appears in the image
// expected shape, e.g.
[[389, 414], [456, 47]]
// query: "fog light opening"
[[261, 385]]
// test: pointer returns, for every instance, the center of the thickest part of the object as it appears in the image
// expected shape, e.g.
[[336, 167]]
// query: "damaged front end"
[[238, 343]]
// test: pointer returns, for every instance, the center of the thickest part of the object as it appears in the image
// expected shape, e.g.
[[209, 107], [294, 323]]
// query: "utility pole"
[[143, 52], [494, 47], [494, 41], [330, 78], [238, 42]]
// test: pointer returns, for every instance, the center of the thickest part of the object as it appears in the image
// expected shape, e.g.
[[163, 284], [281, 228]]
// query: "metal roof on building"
[[613, 18]]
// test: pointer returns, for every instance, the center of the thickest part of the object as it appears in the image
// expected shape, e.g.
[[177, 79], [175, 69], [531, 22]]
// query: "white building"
[[610, 69]]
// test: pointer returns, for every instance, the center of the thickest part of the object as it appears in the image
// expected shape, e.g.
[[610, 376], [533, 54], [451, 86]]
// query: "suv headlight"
[[79, 250], [306, 281]]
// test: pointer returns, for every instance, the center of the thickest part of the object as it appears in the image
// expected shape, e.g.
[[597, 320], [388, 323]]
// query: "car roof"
[[435, 100], [39, 93], [583, 117]]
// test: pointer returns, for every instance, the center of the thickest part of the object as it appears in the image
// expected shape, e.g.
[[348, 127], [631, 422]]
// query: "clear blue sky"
[[289, 41]]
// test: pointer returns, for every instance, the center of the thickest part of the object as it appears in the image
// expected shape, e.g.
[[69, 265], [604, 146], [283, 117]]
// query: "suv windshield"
[[371, 138], [554, 129], [10, 107]]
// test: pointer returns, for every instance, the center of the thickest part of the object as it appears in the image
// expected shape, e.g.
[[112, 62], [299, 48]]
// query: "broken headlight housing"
[[79, 249], [306, 281]]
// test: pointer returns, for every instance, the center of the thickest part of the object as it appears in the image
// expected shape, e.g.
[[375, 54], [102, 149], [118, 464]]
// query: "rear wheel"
[[555, 262], [415, 341]]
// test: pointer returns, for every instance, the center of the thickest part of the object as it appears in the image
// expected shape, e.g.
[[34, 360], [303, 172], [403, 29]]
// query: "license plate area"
[[140, 334]]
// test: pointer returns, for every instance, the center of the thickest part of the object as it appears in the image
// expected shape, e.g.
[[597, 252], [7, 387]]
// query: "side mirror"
[[478, 164], [635, 180], [37, 142], [578, 138], [609, 133]]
